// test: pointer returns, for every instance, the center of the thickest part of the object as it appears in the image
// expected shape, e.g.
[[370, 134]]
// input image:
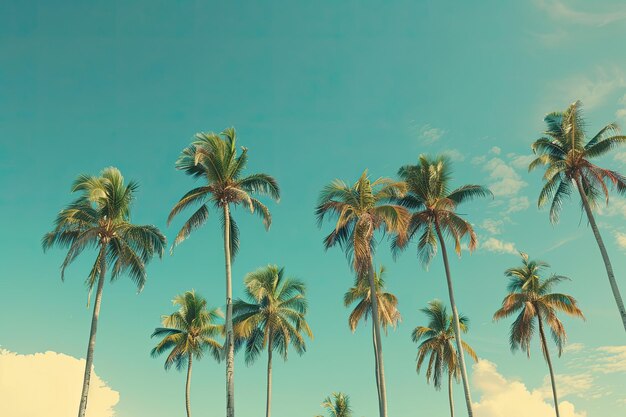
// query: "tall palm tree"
[[361, 211], [337, 405], [387, 307], [531, 296], [214, 158], [434, 215], [187, 334], [566, 153], [273, 318], [437, 344], [100, 218]]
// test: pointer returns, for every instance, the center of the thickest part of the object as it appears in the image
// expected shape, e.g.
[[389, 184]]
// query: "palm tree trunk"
[[379, 351], [268, 407], [450, 394], [230, 346], [605, 255], [376, 369], [546, 353], [187, 386], [457, 327], [82, 408]]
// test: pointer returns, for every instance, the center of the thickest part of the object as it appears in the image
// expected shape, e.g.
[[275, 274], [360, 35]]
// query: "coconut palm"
[[434, 215], [272, 318], [100, 218], [437, 344], [567, 154], [187, 334], [387, 306], [337, 405], [361, 211], [214, 159], [530, 295]]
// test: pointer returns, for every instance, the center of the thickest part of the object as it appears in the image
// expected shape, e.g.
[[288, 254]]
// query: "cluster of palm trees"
[[418, 207]]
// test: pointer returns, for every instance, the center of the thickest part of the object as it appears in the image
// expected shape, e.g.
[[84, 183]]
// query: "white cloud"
[[580, 385], [495, 150], [49, 384], [620, 238], [558, 10], [518, 204], [610, 359], [620, 156], [616, 207], [498, 246], [505, 181], [621, 114], [501, 397], [430, 134], [592, 90], [454, 154], [521, 161], [492, 226]]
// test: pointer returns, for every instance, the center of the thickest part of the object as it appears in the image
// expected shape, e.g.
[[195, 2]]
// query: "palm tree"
[[434, 214], [273, 318], [100, 218], [361, 210], [567, 154], [214, 158], [387, 306], [437, 345], [187, 334], [531, 296], [337, 405]]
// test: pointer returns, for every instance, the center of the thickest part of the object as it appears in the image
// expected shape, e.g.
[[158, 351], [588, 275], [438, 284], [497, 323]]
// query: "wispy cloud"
[[429, 134], [593, 89], [504, 180], [492, 226], [559, 10], [454, 155], [620, 238], [498, 246]]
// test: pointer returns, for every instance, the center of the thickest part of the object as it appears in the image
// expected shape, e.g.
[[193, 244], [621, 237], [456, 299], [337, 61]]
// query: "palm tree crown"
[[214, 158], [274, 316], [566, 153], [337, 405], [434, 206], [190, 331], [360, 293], [100, 217], [530, 295], [437, 343]]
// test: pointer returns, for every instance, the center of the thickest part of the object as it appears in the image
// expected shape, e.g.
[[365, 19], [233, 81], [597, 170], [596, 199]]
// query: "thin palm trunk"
[[187, 386], [379, 351], [450, 394], [230, 346], [376, 370], [82, 409], [268, 407], [457, 327], [546, 354], [605, 255]]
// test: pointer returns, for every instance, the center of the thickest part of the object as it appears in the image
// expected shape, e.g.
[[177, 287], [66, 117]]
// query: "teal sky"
[[316, 91]]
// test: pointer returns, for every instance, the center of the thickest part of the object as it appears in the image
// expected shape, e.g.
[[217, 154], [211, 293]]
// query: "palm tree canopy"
[[433, 204], [274, 313], [436, 343], [100, 217], [531, 297], [189, 331], [361, 210], [566, 152], [360, 293], [214, 158], [337, 405]]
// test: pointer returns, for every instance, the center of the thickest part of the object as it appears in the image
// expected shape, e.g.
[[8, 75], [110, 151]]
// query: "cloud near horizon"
[[49, 384]]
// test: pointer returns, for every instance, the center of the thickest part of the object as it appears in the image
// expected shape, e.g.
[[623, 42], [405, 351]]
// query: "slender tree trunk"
[[230, 346], [546, 354], [457, 327], [82, 408], [450, 394], [376, 369], [605, 255], [379, 350], [268, 407], [187, 386]]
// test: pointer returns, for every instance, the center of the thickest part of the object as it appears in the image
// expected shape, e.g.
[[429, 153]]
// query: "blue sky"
[[317, 91]]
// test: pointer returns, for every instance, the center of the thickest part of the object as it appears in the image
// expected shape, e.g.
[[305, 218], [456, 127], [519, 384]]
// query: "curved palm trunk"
[[379, 351], [450, 394], [376, 369], [230, 347], [605, 255], [187, 386], [82, 408], [268, 407], [457, 327], [546, 354]]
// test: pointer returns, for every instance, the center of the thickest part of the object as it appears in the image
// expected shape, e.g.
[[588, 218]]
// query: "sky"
[[316, 91]]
